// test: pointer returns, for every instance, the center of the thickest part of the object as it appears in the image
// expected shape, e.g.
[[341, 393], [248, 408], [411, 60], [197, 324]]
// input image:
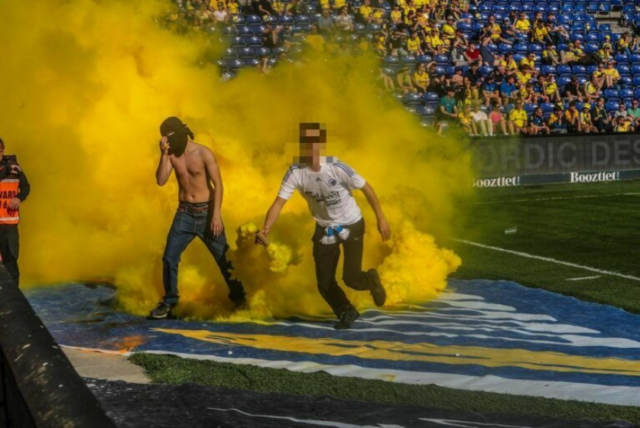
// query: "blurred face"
[[312, 143], [634, 104]]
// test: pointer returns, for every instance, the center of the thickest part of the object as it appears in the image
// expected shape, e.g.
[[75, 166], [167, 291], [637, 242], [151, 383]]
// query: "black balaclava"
[[179, 137]]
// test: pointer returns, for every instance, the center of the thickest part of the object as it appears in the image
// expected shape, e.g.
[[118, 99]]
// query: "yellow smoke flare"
[[84, 86]]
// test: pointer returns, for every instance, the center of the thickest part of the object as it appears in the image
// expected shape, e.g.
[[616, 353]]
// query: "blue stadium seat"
[[535, 47], [253, 20], [229, 30], [582, 78], [423, 59], [623, 68], [636, 80], [505, 47], [286, 20], [626, 93], [579, 69], [548, 69], [409, 60], [622, 58], [431, 98], [231, 53], [604, 28], [486, 69], [636, 93], [611, 105], [578, 26], [412, 99], [246, 53], [563, 81], [521, 47], [591, 69], [441, 70], [611, 94], [529, 108], [301, 18], [567, 7], [577, 36], [591, 47], [564, 69], [593, 7], [261, 51], [591, 37], [625, 80], [441, 59], [605, 8], [580, 7], [254, 41], [450, 69], [635, 69], [237, 42], [547, 107]]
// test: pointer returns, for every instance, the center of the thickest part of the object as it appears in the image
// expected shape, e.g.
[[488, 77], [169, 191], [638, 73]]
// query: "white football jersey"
[[327, 192]]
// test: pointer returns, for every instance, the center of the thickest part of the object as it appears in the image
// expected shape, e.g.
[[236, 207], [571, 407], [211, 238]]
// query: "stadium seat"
[[255, 41], [564, 69], [635, 68], [286, 20], [612, 105], [529, 108], [237, 42], [412, 99], [408, 60], [611, 94], [547, 107], [441, 70], [431, 98], [604, 28], [593, 7], [605, 8], [591, 47], [625, 80], [505, 47], [485, 70], [582, 78], [622, 58], [450, 69], [626, 93], [563, 81], [253, 20], [548, 69], [424, 59], [623, 68], [246, 53], [441, 59], [579, 69], [261, 51], [636, 80]]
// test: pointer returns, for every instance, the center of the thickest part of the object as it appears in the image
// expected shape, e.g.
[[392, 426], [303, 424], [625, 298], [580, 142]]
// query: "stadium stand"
[[578, 61]]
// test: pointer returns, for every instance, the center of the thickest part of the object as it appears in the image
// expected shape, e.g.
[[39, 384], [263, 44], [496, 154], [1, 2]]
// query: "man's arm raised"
[[164, 167], [213, 171], [372, 198]]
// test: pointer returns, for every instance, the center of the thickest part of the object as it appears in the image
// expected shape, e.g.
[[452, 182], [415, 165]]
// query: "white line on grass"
[[508, 201], [548, 259], [583, 278]]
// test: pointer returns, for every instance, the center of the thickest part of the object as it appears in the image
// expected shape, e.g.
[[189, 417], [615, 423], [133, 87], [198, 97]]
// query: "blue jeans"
[[187, 224]]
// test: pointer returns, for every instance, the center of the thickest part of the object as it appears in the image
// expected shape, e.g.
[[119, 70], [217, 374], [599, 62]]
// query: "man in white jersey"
[[326, 184]]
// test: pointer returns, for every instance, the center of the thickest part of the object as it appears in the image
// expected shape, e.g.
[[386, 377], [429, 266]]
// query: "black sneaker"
[[347, 318], [378, 292], [162, 311]]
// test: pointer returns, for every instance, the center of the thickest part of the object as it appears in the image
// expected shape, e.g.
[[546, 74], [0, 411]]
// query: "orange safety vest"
[[8, 191]]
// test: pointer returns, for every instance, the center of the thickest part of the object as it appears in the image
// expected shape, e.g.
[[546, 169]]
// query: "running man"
[[199, 210], [326, 184]]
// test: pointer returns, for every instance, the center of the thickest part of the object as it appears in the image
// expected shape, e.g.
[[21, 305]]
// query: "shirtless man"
[[199, 210]]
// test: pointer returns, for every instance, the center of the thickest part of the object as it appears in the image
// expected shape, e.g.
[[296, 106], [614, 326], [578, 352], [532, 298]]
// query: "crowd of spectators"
[[499, 72]]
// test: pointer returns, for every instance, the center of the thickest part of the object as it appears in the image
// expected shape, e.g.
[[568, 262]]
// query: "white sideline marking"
[[554, 199], [582, 278], [548, 259]]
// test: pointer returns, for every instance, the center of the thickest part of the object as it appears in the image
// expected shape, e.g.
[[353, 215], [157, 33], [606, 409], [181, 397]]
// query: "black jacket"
[[5, 170]]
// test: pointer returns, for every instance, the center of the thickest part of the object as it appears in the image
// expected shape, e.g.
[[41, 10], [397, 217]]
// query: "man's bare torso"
[[193, 180]]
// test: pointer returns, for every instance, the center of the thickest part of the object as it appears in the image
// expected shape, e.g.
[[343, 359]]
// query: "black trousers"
[[9, 249], [327, 256]]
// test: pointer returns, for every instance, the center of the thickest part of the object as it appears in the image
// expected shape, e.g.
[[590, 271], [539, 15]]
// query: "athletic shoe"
[[347, 318], [161, 312], [378, 292]]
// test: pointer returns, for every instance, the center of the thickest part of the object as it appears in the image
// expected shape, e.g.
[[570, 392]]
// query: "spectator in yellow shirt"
[[540, 33], [396, 15], [572, 118], [449, 30], [467, 122], [518, 120], [413, 44], [611, 77], [522, 24], [586, 123], [365, 12], [529, 61], [421, 79]]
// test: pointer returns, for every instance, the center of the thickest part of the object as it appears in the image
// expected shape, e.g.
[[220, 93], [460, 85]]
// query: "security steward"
[[14, 189]]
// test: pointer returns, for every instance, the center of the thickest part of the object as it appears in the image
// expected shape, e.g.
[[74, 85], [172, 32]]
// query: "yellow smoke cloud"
[[84, 86]]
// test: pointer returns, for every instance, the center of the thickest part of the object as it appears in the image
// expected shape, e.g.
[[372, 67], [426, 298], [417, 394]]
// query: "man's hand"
[[15, 169], [164, 146], [216, 225], [384, 229], [261, 238], [14, 204]]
